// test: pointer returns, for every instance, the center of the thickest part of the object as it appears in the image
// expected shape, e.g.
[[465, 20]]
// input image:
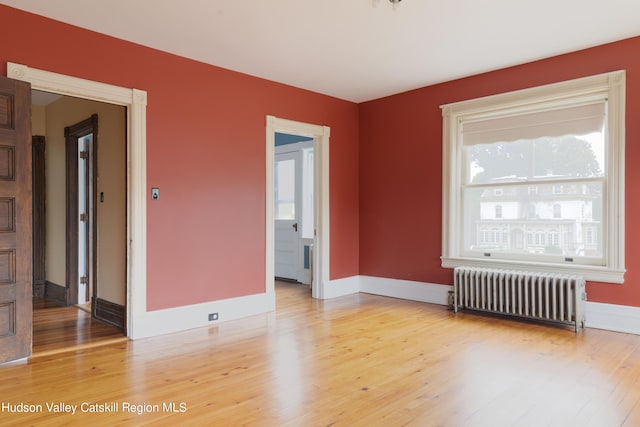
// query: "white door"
[[83, 214], [306, 216], [84, 292], [287, 208]]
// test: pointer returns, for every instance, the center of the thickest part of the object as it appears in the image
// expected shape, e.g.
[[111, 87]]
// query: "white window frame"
[[609, 86]]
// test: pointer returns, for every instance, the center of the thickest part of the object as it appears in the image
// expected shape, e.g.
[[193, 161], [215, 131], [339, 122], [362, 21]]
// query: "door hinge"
[[83, 280], [84, 217], [84, 154]]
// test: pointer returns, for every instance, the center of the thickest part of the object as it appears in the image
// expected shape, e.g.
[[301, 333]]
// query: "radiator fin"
[[541, 296]]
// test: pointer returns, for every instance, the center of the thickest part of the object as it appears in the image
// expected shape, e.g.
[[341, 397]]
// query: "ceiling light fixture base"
[[394, 3]]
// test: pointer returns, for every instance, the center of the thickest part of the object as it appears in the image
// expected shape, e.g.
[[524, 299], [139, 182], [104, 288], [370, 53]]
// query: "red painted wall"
[[401, 166], [206, 153]]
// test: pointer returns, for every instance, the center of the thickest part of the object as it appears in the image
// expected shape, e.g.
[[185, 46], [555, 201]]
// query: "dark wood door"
[[15, 220], [38, 185]]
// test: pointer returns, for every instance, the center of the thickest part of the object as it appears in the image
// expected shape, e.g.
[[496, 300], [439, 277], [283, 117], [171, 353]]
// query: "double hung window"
[[545, 166]]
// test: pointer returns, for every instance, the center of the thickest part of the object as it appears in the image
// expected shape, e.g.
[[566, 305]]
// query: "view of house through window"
[[534, 179], [536, 196]]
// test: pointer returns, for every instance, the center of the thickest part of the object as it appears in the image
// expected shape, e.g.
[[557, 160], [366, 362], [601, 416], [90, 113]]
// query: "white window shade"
[[574, 120]]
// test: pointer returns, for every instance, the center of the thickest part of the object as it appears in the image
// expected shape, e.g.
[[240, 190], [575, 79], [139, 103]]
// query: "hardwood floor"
[[58, 329], [358, 360]]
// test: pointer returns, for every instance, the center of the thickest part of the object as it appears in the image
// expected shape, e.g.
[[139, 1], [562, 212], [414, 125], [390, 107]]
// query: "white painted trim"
[[607, 86], [296, 146], [617, 318], [610, 317], [322, 245], [136, 102], [406, 289], [341, 287], [72, 86], [270, 235], [14, 362], [197, 315], [593, 273], [137, 215], [321, 249]]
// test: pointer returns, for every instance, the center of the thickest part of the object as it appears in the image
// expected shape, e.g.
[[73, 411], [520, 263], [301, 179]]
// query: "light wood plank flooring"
[[58, 329], [358, 360]]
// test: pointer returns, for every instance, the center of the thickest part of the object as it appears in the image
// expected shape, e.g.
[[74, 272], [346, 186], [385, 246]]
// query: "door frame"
[[135, 101], [72, 133], [321, 251]]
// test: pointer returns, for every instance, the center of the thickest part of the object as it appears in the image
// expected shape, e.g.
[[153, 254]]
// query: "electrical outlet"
[[213, 316]]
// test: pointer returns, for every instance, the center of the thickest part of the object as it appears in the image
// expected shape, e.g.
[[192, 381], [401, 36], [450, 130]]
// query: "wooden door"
[[15, 220], [39, 214]]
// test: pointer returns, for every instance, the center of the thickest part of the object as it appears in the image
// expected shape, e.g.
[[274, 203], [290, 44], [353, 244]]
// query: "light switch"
[[155, 193]]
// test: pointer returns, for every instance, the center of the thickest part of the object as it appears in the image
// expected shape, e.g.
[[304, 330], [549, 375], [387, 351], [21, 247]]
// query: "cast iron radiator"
[[541, 296]]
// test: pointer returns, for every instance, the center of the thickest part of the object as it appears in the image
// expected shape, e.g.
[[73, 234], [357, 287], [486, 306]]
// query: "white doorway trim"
[[320, 260], [135, 101]]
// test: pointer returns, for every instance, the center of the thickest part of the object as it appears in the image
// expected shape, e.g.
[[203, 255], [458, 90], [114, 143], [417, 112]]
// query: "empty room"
[[362, 213]]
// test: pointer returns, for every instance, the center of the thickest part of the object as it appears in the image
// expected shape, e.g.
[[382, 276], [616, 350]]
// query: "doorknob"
[[295, 226]]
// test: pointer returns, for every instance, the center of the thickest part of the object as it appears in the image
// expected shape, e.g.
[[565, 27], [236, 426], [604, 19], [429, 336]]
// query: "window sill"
[[590, 273]]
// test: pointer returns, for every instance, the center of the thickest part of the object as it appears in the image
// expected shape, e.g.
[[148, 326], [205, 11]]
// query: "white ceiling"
[[356, 50]]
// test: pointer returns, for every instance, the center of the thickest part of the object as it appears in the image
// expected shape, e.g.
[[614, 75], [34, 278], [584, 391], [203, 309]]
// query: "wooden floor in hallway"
[[59, 329], [357, 360]]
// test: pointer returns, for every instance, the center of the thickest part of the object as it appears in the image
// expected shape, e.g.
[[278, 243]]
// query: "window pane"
[[548, 223], [573, 156], [285, 186]]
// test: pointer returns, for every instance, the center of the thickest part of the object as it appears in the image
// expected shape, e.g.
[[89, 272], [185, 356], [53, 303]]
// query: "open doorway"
[[294, 207], [80, 196], [318, 234], [18, 345]]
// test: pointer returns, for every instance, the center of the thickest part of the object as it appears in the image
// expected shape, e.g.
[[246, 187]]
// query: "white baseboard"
[[153, 323], [22, 361], [341, 287], [611, 317], [406, 289]]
